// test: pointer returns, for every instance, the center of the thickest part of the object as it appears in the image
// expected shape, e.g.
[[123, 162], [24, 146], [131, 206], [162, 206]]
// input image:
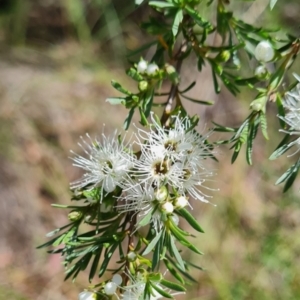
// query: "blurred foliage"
[[252, 248]]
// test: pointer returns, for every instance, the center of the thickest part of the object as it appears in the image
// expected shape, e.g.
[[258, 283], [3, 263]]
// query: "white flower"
[[142, 66], [87, 296], [292, 104], [264, 51], [157, 169], [106, 164], [192, 180], [152, 69]]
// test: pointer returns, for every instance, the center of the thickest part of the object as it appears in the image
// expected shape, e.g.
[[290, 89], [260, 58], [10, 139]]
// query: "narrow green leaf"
[[172, 285], [190, 219], [161, 4], [272, 3], [128, 118], [176, 253], [119, 87], [215, 80], [288, 173], [188, 88], [173, 271], [203, 102], [161, 291], [132, 72], [152, 243], [177, 21], [107, 256], [292, 177], [116, 101], [95, 265], [264, 125], [281, 148]]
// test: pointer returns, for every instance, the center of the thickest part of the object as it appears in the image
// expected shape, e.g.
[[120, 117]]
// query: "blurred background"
[[57, 58]]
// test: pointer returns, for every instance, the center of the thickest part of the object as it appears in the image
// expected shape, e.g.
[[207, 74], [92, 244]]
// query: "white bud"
[[110, 288], [142, 66], [175, 219], [131, 256], [260, 72], [117, 279], [181, 202], [87, 296], [264, 51], [152, 69], [168, 207], [161, 194]]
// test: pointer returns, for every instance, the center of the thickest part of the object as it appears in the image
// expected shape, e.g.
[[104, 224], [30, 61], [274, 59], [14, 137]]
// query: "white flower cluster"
[[292, 117], [169, 169], [292, 105], [133, 291], [149, 69]]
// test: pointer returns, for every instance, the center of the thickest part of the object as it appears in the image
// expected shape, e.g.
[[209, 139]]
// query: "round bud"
[[181, 202], [223, 56], [170, 69], [168, 207], [264, 51], [117, 279], [175, 219], [110, 288], [161, 194], [87, 296], [131, 256], [152, 69], [261, 72], [143, 86], [74, 215], [142, 66]]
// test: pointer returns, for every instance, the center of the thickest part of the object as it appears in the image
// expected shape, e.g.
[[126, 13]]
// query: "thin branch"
[[174, 88]]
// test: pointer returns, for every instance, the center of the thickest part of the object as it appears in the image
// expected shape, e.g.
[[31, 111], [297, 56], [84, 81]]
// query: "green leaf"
[[197, 18], [178, 19], [107, 256], [281, 148], [119, 88], [176, 253], [128, 118], [138, 2], [272, 3], [161, 4], [173, 271], [161, 291], [264, 125], [190, 219], [152, 243], [95, 264], [132, 72], [116, 101], [291, 172], [251, 137], [280, 109], [292, 177], [173, 286], [146, 220], [203, 102], [216, 84], [188, 88]]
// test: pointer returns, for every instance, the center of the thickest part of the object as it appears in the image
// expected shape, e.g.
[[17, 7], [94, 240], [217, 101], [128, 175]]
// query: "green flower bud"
[[261, 72], [259, 104], [74, 215], [223, 56], [143, 86]]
